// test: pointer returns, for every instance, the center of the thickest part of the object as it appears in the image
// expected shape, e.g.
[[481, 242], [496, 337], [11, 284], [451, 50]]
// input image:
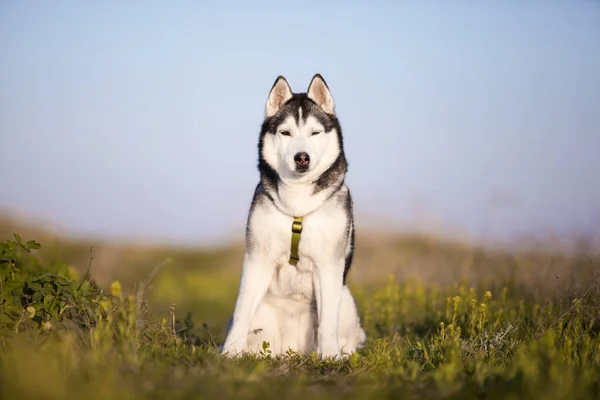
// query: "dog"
[[299, 234]]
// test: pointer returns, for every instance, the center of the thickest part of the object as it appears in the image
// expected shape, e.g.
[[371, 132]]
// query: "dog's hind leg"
[[297, 331], [307, 335]]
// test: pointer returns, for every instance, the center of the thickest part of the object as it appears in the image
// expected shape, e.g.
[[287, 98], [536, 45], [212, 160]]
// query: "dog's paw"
[[330, 353], [232, 351], [231, 354]]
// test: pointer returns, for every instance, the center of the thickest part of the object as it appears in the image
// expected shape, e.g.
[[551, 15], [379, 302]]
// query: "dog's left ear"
[[318, 91]]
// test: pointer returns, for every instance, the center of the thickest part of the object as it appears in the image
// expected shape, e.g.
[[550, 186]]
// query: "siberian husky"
[[299, 234]]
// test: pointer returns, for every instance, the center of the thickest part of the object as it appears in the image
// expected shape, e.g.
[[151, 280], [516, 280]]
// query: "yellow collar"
[[296, 231]]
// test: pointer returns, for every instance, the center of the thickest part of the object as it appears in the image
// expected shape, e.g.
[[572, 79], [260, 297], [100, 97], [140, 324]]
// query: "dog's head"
[[301, 136]]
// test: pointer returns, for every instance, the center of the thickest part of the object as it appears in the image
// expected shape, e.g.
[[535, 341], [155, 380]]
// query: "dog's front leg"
[[256, 277], [328, 294]]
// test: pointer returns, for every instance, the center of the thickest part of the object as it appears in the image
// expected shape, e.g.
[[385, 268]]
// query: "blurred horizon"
[[141, 119]]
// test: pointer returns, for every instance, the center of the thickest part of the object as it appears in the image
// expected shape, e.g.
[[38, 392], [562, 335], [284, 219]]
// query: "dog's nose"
[[302, 159]]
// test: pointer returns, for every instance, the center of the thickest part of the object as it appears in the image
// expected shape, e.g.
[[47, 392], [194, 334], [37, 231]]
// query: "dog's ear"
[[280, 93], [318, 91]]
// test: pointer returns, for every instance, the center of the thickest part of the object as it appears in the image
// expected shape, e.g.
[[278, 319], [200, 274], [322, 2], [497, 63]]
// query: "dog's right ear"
[[280, 93]]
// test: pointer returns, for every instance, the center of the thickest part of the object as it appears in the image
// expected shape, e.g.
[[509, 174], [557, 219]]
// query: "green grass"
[[518, 330]]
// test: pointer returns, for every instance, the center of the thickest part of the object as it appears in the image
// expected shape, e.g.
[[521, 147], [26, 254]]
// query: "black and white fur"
[[302, 167]]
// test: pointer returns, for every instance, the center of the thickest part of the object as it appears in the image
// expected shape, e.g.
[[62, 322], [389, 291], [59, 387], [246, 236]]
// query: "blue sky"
[[141, 118]]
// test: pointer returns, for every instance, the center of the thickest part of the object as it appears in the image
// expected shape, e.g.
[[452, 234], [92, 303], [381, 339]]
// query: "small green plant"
[[36, 297], [9, 252]]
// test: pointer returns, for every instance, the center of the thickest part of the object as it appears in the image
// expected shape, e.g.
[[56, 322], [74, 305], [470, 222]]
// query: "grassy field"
[[444, 319]]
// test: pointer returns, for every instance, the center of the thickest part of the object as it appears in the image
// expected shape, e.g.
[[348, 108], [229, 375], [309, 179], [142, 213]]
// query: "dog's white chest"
[[324, 233], [294, 282], [291, 288]]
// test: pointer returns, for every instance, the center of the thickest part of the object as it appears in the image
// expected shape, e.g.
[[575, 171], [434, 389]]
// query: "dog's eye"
[[315, 133], [285, 133]]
